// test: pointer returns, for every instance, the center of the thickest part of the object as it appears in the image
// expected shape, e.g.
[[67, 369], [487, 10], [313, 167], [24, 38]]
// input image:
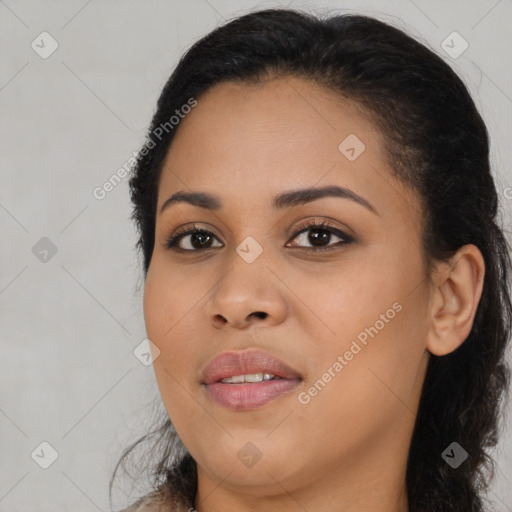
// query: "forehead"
[[278, 120], [255, 140]]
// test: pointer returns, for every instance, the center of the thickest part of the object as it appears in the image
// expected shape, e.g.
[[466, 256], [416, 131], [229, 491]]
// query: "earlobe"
[[457, 291]]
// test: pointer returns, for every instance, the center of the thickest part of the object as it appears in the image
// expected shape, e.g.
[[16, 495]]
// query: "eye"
[[200, 240], [320, 234], [196, 239]]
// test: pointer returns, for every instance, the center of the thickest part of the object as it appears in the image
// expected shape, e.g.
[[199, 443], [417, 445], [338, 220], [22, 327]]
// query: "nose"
[[249, 294]]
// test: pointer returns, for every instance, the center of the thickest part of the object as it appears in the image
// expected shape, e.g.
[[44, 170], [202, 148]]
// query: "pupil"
[[201, 238], [316, 236]]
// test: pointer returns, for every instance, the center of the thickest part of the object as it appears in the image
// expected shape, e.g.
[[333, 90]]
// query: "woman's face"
[[343, 306]]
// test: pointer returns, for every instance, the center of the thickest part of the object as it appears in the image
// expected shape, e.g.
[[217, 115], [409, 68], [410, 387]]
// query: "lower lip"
[[248, 396]]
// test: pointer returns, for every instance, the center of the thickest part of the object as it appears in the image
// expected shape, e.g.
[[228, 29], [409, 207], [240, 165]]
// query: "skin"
[[346, 449]]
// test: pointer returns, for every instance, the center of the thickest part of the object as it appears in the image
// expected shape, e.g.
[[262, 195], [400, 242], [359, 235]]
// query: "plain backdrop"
[[70, 295]]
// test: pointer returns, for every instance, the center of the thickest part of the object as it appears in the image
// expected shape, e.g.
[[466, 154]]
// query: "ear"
[[457, 290]]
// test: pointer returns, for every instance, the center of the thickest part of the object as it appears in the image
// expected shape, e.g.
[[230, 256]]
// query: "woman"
[[326, 283]]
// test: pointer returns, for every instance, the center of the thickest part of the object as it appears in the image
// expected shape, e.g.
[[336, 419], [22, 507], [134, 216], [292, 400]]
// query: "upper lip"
[[229, 364]]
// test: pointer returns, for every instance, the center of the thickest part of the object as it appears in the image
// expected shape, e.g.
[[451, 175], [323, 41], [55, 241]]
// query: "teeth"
[[249, 377]]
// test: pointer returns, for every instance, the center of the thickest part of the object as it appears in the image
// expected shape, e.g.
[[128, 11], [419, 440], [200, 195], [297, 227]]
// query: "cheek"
[[169, 305], [378, 324], [375, 384], [345, 302], [170, 295], [165, 314]]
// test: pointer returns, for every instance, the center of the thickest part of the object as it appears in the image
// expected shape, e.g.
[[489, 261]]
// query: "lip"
[[247, 396]]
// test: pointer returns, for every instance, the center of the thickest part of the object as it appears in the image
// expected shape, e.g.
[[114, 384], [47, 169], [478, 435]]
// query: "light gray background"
[[68, 375]]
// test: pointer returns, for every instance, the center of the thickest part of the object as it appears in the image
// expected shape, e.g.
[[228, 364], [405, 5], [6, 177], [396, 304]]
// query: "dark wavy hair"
[[437, 144]]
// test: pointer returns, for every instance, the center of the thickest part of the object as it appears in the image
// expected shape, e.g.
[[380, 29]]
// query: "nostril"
[[218, 321], [260, 314]]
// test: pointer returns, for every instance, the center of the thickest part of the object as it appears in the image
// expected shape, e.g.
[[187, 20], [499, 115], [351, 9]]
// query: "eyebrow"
[[281, 201]]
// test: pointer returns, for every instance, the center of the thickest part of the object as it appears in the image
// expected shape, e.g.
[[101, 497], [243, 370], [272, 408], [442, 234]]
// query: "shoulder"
[[160, 500]]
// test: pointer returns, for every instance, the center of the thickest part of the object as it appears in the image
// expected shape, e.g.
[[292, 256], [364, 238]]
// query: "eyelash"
[[173, 240]]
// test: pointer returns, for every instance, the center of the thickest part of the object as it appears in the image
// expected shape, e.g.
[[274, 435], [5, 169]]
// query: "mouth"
[[248, 380], [250, 377]]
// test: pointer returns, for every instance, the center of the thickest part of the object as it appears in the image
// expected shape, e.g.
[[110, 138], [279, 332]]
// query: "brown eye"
[[320, 234], [192, 240]]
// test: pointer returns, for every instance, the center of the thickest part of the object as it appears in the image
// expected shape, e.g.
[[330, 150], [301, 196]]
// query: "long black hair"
[[437, 143]]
